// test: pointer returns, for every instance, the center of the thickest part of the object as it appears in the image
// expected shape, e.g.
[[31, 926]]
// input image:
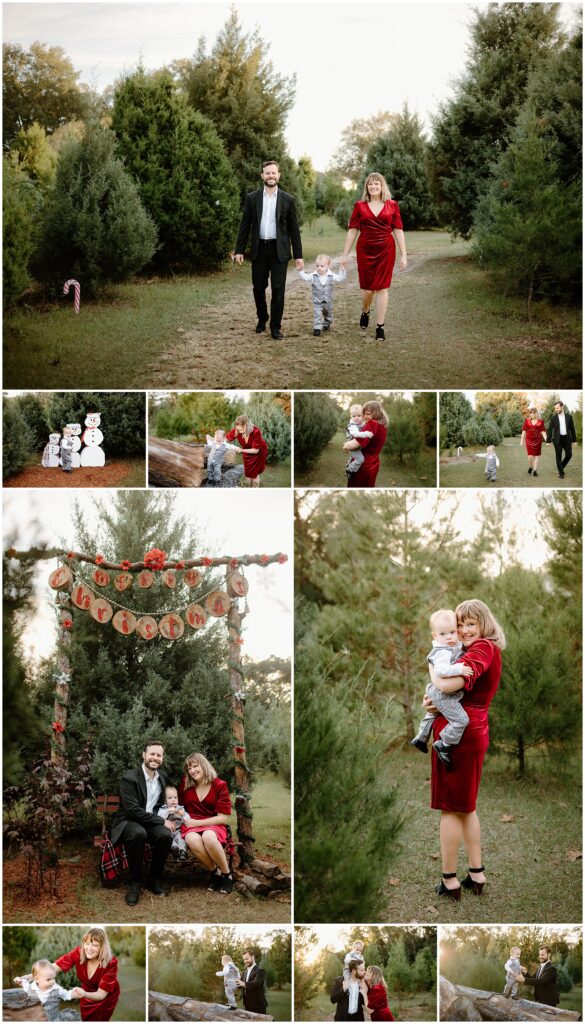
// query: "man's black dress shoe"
[[277, 335], [261, 327], [133, 894], [155, 885]]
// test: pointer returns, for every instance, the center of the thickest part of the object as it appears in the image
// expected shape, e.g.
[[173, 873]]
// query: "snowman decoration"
[[92, 454], [75, 439], [52, 452]]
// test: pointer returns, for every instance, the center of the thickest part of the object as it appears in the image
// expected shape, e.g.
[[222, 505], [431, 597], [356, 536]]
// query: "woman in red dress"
[[376, 219], [97, 970], [206, 800], [533, 434], [254, 448], [377, 995], [454, 789], [377, 423]]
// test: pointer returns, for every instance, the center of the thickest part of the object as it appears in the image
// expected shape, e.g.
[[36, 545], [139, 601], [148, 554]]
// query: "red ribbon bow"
[[58, 727], [99, 559], [125, 564]]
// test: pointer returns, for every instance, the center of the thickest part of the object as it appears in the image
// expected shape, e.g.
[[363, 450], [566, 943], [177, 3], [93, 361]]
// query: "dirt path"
[[439, 335], [113, 474]]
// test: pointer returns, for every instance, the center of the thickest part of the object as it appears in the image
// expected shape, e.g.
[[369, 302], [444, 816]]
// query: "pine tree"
[[281, 957], [315, 425], [34, 413], [405, 436], [306, 189], [17, 440], [399, 974], [402, 157], [20, 202], [563, 525], [94, 227], [307, 981], [455, 411], [274, 424], [122, 417]]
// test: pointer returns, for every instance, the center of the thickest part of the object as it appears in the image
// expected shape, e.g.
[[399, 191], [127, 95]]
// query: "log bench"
[[457, 1002], [165, 1007], [179, 464], [16, 1005]]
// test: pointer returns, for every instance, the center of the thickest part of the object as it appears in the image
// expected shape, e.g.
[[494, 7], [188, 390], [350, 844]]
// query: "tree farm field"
[[446, 327], [516, 888], [513, 468], [329, 471]]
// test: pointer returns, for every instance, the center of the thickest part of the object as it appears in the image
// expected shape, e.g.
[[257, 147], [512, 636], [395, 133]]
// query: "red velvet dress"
[[366, 476], [105, 978], [254, 465], [533, 437], [378, 1002], [376, 248], [456, 789], [217, 801]]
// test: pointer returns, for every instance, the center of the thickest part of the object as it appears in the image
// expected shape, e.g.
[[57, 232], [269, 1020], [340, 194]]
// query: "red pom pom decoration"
[[264, 559], [58, 727], [67, 623], [282, 559], [155, 559], [125, 564], [99, 559], [207, 561], [180, 565]]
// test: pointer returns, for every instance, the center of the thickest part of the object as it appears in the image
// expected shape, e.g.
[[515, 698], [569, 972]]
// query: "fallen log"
[[184, 464], [16, 1005], [456, 1002], [165, 1007]]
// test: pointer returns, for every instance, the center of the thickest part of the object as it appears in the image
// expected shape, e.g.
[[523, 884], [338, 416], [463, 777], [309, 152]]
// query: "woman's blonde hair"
[[375, 411], [376, 976], [489, 629], [374, 176], [245, 422], [209, 772], [532, 409], [97, 935]]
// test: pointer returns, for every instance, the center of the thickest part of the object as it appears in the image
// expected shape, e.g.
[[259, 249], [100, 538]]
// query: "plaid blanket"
[[114, 862]]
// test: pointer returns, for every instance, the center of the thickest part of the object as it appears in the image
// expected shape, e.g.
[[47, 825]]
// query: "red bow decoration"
[[58, 727], [99, 559], [264, 559], [125, 564], [155, 559], [180, 565], [240, 750], [234, 563], [71, 554], [282, 559], [207, 561], [67, 623]]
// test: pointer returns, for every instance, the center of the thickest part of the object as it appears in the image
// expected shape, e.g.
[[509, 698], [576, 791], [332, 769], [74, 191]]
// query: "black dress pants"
[[563, 446], [265, 266], [135, 837]]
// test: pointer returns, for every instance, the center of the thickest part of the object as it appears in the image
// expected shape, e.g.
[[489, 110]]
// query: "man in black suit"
[[142, 792], [270, 214], [252, 980], [346, 1000], [545, 980], [561, 431]]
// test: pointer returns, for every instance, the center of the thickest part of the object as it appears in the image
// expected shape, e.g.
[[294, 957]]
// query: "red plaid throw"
[[114, 862]]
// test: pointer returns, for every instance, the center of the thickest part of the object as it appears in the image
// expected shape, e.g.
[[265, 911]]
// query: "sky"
[[538, 398], [251, 522], [243, 931], [331, 47]]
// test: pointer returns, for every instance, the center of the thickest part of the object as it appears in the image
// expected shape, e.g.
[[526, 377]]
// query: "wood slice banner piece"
[[122, 581], [61, 578], [82, 597], [192, 577], [169, 579], [237, 585], [145, 579], [218, 603], [101, 610], [196, 616], [147, 627], [100, 577], [124, 622], [171, 626]]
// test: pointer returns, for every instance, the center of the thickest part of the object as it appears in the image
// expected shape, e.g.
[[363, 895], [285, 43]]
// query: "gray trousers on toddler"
[[231, 987], [511, 988], [448, 704]]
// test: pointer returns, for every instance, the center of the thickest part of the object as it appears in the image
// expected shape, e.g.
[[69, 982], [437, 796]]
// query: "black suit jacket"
[[342, 999], [545, 987], [287, 227], [133, 802], [554, 429], [254, 994]]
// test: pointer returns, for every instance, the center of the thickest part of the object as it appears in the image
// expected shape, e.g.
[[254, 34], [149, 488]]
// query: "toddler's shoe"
[[316, 332], [419, 744], [442, 752], [326, 327]]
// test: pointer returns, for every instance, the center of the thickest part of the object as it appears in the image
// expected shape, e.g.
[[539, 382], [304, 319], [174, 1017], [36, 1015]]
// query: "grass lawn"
[[279, 1003], [329, 471], [573, 1000], [132, 1002], [422, 1006], [531, 874], [82, 897], [446, 327], [513, 469]]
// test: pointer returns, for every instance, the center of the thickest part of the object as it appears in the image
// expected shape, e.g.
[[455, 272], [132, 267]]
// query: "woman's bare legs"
[[472, 840], [254, 481], [531, 461], [195, 844], [535, 459], [451, 837], [215, 851], [366, 300], [381, 305]]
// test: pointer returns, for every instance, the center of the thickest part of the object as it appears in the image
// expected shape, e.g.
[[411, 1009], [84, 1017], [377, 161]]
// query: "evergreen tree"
[[527, 225], [331, 968], [195, 414], [307, 981], [482, 430], [33, 412], [508, 42], [125, 690], [405, 436], [425, 408], [20, 203], [306, 189], [329, 192], [94, 227], [562, 513], [402, 157], [274, 424], [555, 90], [238, 89], [281, 958], [315, 425], [33, 153], [17, 440], [184, 177], [424, 971], [122, 417], [455, 411], [399, 974]]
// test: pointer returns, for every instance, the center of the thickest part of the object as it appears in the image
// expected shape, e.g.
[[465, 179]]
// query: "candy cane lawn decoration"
[[77, 296]]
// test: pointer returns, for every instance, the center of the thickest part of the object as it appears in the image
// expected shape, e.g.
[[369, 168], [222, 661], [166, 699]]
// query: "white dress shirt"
[[248, 972], [354, 996], [153, 790], [268, 222], [562, 424]]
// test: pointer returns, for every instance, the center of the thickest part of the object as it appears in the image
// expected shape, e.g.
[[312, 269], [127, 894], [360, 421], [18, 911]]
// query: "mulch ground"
[[113, 474]]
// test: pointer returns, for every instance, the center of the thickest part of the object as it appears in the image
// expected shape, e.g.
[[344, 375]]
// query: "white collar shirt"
[[541, 968], [153, 790], [268, 222], [562, 423], [354, 996], [248, 972]]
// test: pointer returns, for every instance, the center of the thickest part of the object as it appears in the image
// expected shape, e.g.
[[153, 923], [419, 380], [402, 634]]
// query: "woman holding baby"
[[376, 422]]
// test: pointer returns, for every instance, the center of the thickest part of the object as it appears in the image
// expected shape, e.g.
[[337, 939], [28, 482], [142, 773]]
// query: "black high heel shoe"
[[468, 882], [442, 890], [380, 336]]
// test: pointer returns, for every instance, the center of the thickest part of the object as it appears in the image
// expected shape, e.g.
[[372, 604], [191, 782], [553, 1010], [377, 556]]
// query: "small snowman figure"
[[92, 454], [75, 436], [52, 452]]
